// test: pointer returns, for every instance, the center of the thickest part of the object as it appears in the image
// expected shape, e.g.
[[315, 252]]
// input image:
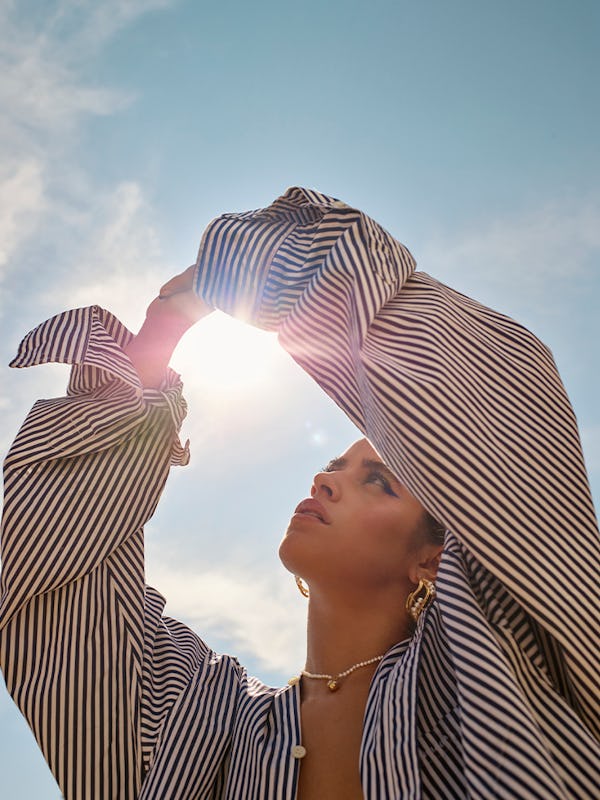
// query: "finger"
[[178, 283]]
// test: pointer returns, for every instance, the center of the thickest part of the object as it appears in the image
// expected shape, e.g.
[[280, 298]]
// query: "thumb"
[[178, 283]]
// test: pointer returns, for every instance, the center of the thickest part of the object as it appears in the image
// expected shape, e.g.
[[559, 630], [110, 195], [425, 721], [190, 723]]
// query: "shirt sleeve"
[[463, 403], [83, 476]]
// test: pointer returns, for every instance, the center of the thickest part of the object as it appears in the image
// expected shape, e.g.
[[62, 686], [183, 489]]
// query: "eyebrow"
[[367, 463]]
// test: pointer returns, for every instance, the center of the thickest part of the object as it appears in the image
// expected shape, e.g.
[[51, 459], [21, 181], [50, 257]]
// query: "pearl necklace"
[[333, 681]]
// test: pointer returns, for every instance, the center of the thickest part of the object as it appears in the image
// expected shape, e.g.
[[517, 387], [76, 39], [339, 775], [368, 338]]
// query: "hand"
[[179, 283], [177, 307], [168, 317]]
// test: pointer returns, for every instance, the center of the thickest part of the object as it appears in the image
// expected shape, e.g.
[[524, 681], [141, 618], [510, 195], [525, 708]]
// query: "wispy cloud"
[[256, 616], [46, 91], [559, 241], [22, 198], [116, 260], [40, 81], [101, 21], [64, 241]]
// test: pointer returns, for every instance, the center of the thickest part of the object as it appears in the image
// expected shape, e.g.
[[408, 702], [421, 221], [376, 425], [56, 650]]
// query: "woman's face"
[[360, 524]]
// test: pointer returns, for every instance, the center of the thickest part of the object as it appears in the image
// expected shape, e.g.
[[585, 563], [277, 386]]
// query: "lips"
[[312, 508]]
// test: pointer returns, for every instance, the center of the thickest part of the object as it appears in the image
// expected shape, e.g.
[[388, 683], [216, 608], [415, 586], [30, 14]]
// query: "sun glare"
[[222, 355]]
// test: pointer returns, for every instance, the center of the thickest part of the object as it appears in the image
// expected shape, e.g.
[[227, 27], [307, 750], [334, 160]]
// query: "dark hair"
[[433, 530]]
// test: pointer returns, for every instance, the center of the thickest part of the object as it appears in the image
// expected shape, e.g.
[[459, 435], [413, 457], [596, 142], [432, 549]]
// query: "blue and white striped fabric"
[[467, 408], [495, 695]]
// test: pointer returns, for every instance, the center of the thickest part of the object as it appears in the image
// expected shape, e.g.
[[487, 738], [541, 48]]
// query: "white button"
[[298, 751]]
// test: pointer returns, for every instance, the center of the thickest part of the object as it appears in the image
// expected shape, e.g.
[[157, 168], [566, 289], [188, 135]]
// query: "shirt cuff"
[[256, 265], [92, 340]]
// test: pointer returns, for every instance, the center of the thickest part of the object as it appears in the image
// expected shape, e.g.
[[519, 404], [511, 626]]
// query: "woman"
[[495, 692]]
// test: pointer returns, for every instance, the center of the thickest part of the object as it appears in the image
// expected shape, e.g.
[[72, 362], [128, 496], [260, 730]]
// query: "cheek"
[[382, 523], [390, 534], [371, 537], [374, 562]]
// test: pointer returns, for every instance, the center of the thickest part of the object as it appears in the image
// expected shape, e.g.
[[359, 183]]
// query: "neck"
[[343, 632]]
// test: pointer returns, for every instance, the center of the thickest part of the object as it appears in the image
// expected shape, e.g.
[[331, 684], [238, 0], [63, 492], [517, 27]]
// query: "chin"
[[289, 554]]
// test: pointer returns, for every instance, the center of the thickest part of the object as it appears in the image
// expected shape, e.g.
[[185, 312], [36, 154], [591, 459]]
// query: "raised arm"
[[83, 476], [462, 402]]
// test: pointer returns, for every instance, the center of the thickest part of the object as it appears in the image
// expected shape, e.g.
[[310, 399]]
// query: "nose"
[[326, 483]]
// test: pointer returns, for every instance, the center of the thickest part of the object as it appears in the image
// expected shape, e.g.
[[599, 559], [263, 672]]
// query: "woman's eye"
[[381, 480]]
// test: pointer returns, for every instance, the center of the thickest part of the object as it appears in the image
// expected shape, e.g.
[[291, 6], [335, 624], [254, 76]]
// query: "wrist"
[[168, 317]]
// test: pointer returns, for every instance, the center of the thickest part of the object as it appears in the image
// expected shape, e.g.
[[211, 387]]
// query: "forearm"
[[260, 265], [167, 319], [83, 476], [85, 471]]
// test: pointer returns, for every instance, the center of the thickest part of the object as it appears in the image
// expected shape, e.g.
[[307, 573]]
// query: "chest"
[[332, 728]]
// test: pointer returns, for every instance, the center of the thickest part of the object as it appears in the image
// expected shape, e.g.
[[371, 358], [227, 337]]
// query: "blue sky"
[[469, 129]]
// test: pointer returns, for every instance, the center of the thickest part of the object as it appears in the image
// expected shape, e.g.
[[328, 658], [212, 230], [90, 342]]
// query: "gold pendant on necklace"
[[332, 685]]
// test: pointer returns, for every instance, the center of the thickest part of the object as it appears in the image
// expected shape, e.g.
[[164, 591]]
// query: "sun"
[[222, 355]]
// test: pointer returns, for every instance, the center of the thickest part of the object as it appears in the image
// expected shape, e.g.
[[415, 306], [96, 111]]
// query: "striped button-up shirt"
[[495, 695]]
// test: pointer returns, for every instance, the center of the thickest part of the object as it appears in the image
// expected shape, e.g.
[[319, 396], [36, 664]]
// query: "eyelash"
[[377, 477], [374, 476]]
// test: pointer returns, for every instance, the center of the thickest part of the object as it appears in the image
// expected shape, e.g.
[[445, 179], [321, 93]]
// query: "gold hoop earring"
[[301, 586], [422, 597]]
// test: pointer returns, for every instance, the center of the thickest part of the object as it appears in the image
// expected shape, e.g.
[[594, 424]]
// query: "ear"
[[426, 564]]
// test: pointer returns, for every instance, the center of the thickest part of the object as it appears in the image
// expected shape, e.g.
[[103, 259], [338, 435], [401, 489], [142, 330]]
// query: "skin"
[[168, 317], [355, 541], [360, 562]]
